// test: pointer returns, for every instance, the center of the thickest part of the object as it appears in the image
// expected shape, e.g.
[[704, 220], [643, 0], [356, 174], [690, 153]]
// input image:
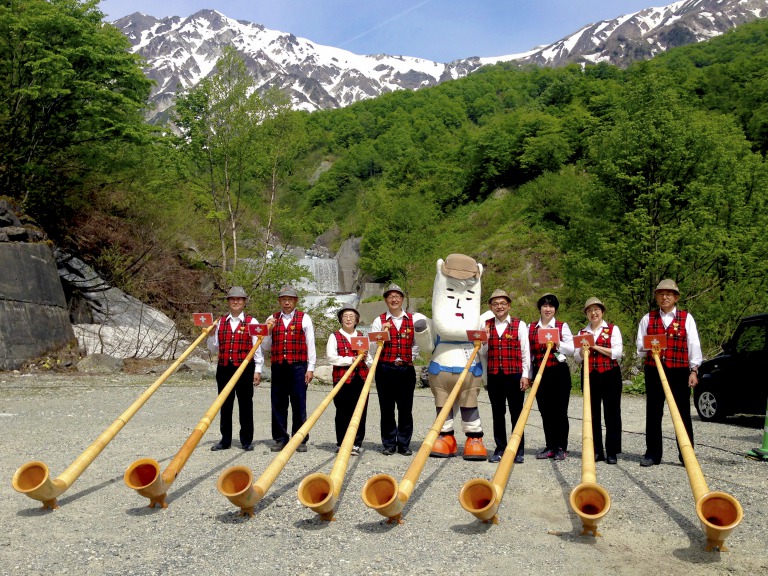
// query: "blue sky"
[[439, 30]]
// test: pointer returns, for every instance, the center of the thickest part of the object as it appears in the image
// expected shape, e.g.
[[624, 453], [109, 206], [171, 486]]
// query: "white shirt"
[[397, 321], [309, 335], [234, 322], [522, 336], [617, 346], [332, 350], [694, 346]]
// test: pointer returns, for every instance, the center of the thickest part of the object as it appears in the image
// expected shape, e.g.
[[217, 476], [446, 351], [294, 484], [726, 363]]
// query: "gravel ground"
[[103, 527]]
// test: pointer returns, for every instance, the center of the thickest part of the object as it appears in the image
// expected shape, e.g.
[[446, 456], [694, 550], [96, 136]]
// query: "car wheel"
[[710, 406]]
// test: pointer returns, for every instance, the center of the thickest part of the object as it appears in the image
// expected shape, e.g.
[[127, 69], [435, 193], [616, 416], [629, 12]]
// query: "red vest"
[[289, 344], [400, 341], [598, 361], [504, 352], [234, 347], [345, 349], [538, 350], [676, 353]]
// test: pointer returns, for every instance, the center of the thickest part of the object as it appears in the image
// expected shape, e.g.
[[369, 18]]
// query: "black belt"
[[399, 363]]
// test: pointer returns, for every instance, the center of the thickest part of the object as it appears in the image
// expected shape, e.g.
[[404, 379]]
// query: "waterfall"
[[326, 275]]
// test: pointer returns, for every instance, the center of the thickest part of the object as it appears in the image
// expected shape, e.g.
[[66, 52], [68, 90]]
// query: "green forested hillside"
[[582, 181]]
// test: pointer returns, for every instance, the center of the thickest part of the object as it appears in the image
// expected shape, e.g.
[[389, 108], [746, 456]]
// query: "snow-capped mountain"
[[181, 51]]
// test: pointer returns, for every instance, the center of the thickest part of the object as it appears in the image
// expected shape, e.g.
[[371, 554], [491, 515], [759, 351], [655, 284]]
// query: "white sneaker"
[[355, 451]]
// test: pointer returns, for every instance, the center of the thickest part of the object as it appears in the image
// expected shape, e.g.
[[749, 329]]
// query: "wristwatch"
[[695, 370]]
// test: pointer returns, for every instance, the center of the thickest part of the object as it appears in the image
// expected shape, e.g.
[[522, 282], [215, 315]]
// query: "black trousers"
[[654, 406], [288, 386], [345, 402], [605, 393], [395, 386], [553, 397], [504, 389], [243, 390]]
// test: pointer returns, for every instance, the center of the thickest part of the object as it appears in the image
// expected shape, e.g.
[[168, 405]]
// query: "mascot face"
[[456, 298]]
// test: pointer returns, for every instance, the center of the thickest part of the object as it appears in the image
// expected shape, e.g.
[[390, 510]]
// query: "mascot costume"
[[455, 309]]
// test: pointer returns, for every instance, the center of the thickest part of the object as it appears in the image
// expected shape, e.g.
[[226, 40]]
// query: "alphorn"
[[236, 483], [144, 474], [319, 492], [33, 478], [719, 513], [589, 500], [481, 497], [382, 492]]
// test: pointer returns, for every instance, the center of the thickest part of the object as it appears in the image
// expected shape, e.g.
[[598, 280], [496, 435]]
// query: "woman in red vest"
[[340, 356], [555, 387], [681, 360], [604, 380]]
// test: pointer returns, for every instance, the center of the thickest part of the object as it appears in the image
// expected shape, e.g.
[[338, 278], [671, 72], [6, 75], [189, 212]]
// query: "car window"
[[751, 339]]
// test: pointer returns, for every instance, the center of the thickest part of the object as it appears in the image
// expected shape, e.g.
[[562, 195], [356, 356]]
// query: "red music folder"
[[582, 340], [378, 336], [258, 330], [549, 335], [477, 335], [651, 340], [202, 318]]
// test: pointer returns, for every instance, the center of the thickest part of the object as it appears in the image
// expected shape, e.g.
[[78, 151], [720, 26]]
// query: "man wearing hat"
[[508, 365], [341, 356], [681, 360], [232, 342], [395, 374], [604, 380], [292, 342]]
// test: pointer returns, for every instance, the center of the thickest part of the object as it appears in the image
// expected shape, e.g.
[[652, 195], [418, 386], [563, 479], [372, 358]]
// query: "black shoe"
[[495, 458], [301, 448], [611, 460], [405, 451], [519, 459], [599, 458], [277, 446], [388, 451], [647, 461], [219, 446], [249, 447]]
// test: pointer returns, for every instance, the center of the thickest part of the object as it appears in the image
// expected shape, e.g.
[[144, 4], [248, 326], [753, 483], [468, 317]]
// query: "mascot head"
[[456, 297]]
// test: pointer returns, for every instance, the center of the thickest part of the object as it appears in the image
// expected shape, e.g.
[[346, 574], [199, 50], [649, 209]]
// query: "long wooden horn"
[[481, 497], [382, 492], [718, 512], [144, 474], [319, 492], [589, 500], [33, 478], [236, 483]]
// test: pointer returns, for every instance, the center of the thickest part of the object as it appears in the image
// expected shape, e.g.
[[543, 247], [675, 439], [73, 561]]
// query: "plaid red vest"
[[676, 353], [538, 350], [504, 352], [234, 347], [400, 341], [289, 344], [345, 349], [597, 361]]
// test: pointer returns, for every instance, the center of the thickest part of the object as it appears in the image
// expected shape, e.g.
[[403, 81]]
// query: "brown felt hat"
[[461, 267], [499, 293], [593, 301], [668, 284]]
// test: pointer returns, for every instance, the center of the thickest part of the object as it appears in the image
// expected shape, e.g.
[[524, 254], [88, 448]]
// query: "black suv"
[[736, 380]]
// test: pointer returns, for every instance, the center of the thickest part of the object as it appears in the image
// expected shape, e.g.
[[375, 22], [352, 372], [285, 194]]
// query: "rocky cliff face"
[[182, 51], [34, 318]]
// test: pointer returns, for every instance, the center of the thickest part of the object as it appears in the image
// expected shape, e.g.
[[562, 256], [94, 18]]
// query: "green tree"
[[67, 85]]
